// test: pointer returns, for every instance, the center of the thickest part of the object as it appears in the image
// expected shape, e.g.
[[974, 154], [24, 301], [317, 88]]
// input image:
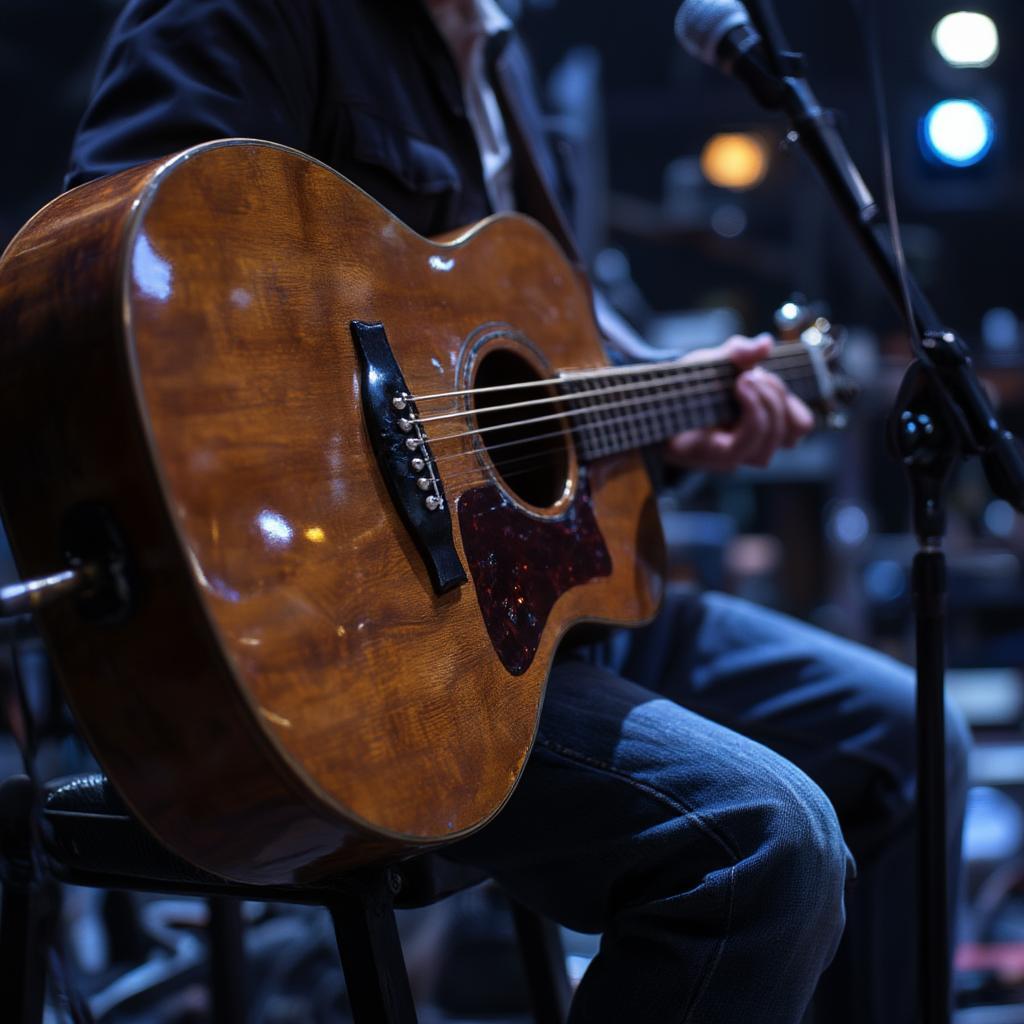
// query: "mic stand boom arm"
[[942, 414]]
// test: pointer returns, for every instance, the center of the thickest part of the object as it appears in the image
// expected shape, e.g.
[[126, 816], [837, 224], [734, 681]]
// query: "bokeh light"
[[735, 160], [959, 133], [967, 39]]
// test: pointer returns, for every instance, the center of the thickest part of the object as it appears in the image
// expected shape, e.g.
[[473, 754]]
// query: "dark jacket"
[[367, 86]]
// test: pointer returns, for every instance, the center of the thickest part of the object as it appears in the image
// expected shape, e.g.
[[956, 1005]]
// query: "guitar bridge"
[[403, 454]]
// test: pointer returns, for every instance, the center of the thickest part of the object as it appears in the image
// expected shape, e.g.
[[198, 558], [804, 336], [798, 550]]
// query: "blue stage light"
[[959, 133]]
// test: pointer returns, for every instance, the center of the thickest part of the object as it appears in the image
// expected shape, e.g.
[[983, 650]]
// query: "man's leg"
[[843, 714], [714, 867]]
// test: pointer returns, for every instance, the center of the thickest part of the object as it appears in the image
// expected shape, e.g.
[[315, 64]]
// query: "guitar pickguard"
[[521, 565]]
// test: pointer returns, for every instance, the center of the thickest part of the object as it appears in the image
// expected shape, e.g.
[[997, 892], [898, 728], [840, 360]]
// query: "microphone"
[[719, 33]]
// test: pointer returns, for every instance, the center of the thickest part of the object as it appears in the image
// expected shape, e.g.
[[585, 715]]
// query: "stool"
[[89, 838]]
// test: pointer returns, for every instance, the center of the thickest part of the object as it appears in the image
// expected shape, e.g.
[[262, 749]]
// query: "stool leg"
[[227, 961], [540, 945], [371, 954], [25, 929], [30, 909]]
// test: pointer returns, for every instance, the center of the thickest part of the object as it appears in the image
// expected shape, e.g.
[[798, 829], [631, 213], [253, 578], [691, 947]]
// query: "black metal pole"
[[934, 973], [924, 436]]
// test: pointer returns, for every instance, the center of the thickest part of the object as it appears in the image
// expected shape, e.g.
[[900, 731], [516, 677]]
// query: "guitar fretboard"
[[635, 406]]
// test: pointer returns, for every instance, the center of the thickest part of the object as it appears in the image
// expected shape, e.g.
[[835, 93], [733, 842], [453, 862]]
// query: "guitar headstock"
[[831, 390]]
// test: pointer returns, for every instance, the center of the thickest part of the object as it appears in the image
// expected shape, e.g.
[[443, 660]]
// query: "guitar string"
[[698, 384], [686, 391], [561, 432], [680, 392], [603, 371], [784, 368], [468, 480], [481, 475], [697, 373], [653, 415], [665, 380]]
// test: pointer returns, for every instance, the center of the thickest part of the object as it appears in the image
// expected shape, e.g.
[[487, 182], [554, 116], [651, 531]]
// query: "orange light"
[[735, 160], [315, 535]]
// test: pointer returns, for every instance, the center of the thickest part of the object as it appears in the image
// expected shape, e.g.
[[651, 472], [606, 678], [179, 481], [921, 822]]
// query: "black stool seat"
[[88, 830], [91, 838]]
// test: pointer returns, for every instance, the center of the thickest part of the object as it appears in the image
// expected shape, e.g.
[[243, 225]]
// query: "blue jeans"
[[695, 794]]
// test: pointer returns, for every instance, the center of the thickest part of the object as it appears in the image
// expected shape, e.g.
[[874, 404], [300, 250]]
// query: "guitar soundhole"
[[532, 458]]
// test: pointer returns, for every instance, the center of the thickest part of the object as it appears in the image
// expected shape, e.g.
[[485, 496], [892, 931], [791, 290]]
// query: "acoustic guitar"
[[347, 488]]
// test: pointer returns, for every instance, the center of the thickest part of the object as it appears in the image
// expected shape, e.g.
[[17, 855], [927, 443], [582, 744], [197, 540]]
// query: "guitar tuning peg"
[[792, 318], [788, 319], [822, 333]]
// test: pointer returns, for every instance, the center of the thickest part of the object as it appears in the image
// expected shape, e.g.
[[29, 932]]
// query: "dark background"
[[963, 225]]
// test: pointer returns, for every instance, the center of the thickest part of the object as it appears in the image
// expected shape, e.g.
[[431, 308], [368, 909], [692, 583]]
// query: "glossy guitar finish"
[[288, 694]]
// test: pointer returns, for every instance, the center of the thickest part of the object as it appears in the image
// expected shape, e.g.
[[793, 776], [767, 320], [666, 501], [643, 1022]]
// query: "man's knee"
[[781, 847], [812, 864]]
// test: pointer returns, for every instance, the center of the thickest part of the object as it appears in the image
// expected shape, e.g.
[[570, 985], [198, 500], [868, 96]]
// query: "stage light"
[[1000, 518], [849, 525], [967, 39], [734, 160], [959, 133], [1000, 330], [885, 580]]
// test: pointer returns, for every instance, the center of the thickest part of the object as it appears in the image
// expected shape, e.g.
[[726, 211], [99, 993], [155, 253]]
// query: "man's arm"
[[175, 73]]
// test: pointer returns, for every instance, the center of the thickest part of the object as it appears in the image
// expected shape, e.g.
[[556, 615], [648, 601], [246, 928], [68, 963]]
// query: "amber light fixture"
[[735, 160]]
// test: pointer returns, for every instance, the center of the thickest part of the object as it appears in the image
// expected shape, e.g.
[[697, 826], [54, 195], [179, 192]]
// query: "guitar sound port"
[[523, 430]]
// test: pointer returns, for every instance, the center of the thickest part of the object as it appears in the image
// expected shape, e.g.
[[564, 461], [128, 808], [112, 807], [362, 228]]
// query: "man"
[[697, 787]]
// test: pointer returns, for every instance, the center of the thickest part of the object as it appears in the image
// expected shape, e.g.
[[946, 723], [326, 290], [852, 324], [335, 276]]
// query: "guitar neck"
[[630, 407]]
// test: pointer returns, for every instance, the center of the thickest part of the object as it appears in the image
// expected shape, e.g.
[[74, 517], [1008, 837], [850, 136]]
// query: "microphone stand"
[[941, 415]]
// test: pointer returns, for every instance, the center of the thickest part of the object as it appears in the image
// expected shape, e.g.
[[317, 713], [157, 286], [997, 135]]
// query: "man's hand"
[[771, 417]]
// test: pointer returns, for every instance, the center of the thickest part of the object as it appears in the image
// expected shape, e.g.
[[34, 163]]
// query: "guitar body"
[[287, 692]]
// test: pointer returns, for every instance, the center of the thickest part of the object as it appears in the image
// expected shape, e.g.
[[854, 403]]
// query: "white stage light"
[[967, 39], [958, 132]]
